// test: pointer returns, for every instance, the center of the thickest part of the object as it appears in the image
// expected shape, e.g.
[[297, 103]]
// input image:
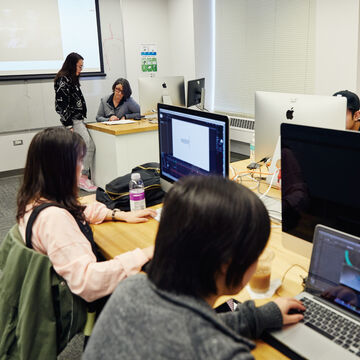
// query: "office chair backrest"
[[39, 314]]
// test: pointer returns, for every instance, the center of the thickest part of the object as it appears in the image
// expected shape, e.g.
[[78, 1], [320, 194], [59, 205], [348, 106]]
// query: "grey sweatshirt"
[[142, 322], [129, 108]]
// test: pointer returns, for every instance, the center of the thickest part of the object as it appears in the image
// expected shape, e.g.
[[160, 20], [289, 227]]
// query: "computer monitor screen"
[[319, 173], [153, 90], [191, 142], [196, 93], [273, 109]]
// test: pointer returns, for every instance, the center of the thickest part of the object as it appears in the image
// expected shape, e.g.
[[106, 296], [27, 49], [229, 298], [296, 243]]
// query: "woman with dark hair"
[[210, 236], [119, 105], [70, 105], [61, 231]]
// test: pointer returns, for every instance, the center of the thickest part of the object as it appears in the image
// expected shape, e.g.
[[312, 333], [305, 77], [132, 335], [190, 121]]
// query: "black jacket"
[[69, 101]]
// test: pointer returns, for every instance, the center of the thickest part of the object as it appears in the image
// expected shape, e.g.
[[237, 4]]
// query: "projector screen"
[[37, 35]]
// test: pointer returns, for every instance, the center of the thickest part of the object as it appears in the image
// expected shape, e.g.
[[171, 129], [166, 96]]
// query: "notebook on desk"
[[118, 122], [331, 325]]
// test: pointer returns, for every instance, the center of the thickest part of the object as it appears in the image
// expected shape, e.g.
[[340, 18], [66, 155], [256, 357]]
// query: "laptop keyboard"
[[335, 327]]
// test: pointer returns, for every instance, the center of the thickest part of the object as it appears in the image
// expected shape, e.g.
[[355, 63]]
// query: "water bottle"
[[136, 192]]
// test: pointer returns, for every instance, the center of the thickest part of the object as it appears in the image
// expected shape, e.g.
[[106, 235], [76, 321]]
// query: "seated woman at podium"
[[119, 105], [211, 233]]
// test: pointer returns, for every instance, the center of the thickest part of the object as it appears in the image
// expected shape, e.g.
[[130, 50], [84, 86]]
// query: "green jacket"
[[38, 313]]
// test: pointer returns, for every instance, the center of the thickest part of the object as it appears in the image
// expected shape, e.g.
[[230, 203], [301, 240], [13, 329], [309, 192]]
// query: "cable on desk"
[[270, 185], [233, 175], [250, 172], [239, 177], [286, 272]]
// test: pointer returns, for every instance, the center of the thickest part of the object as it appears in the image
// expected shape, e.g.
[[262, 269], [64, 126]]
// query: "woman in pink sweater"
[[62, 231]]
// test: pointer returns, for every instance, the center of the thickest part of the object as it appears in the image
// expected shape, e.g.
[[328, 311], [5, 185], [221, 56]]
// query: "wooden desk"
[[116, 238], [119, 148]]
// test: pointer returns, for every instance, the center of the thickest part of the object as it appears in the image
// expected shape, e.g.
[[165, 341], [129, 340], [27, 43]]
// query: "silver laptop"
[[331, 326]]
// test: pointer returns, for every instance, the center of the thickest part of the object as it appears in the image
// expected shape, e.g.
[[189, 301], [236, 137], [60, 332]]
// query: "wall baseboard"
[[9, 173]]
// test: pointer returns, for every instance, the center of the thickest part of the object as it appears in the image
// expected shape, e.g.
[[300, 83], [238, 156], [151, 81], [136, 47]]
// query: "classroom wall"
[[337, 60], [181, 33], [204, 47], [145, 22], [337, 46], [158, 22], [29, 105]]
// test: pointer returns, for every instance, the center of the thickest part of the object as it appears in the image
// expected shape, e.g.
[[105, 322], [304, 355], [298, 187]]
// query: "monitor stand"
[[297, 245], [165, 185], [273, 206], [166, 99], [201, 106], [290, 242]]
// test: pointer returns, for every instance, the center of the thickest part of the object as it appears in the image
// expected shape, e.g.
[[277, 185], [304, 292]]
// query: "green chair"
[[39, 314]]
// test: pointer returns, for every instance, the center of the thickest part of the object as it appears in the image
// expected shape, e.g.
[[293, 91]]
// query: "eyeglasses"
[[119, 90]]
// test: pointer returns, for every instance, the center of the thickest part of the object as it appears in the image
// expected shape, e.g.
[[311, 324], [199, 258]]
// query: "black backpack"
[[116, 193]]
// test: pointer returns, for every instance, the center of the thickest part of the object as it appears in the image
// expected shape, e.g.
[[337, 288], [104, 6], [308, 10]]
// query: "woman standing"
[[70, 105], [119, 105]]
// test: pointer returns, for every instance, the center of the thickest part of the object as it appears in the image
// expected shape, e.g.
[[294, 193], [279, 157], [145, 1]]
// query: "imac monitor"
[[272, 109], [153, 90], [196, 93], [319, 171], [191, 142]]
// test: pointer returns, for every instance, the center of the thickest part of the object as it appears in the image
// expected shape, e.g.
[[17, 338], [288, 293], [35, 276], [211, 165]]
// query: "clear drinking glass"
[[260, 281]]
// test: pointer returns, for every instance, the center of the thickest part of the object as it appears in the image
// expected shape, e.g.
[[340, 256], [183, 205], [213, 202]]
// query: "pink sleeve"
[[56, 233], [95, 212]]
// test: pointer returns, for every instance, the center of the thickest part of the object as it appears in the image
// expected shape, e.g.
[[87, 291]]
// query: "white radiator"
[[241, 129]]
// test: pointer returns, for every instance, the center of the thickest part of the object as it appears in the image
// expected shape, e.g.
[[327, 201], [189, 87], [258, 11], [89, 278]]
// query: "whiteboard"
[[30, 104], [37, 35]]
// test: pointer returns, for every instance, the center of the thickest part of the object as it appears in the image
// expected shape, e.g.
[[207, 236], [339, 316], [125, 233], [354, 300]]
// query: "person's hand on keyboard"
[[287, 307]]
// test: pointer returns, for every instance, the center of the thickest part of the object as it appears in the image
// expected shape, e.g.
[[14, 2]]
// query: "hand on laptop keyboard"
[[287, 306], [295, 311]]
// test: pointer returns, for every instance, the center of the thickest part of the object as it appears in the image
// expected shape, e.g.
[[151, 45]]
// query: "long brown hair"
[[51, 171], [69, 68]]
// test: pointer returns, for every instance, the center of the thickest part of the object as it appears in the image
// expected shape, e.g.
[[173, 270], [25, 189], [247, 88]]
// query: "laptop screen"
[[335, 268]]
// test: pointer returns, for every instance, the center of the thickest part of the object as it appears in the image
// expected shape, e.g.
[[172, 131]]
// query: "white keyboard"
[[118, 122]]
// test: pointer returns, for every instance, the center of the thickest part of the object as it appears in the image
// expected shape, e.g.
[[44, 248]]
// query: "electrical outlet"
[[17, 142]]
